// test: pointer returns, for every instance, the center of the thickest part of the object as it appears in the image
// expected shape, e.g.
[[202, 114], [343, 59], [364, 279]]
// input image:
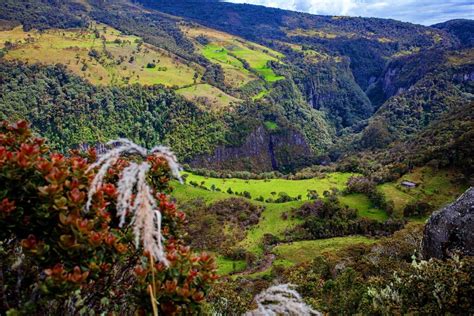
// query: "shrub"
[[417, 209], [427, 287], [54, 255], [328, 218], [368, 187], [283, 197]]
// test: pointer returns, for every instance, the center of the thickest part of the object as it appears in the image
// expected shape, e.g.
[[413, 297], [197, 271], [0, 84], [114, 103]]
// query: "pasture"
[[100, 54]]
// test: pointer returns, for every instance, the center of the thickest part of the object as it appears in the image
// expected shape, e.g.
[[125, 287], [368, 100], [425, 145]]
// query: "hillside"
[[309, 73], [314, 151]]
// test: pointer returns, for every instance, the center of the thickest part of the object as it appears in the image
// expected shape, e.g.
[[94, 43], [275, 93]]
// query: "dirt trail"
[[265, 264]]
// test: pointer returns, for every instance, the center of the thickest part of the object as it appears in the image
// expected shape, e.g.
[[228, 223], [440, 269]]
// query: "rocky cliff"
[[262, 151], [451, 230]]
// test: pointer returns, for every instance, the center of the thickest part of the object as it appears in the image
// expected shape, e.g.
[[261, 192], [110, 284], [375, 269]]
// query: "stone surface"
[[262, 151], [451, 230]]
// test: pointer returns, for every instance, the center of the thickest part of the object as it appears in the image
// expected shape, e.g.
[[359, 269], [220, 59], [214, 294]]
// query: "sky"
[[426, 12]]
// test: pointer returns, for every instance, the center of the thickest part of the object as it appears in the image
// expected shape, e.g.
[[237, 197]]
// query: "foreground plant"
[[281, 299], [63, 248], [135, 196]]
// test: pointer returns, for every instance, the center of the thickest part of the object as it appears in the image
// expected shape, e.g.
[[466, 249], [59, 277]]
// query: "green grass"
[[186, 193], [307, 250], [270, 219], [437, 187], [227, 266], [223, 47], [271, 125], [364, 206], [260, 95], [265, 188], [219, 54], [270, 223], [215, 98], [234, 71], [256, 58], [71, 47]]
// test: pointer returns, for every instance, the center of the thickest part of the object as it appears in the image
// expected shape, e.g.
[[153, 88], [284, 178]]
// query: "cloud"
[[416, 11]]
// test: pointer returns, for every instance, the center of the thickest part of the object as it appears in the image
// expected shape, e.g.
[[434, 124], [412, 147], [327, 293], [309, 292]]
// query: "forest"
[[204, 157]]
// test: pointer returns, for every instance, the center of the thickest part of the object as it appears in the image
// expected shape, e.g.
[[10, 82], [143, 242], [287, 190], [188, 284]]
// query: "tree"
[[376, 135]]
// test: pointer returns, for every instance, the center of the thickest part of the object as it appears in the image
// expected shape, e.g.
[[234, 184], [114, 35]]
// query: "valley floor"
[[437, 186]]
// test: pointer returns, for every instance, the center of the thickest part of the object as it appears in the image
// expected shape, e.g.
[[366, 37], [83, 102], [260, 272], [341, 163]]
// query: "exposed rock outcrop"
[[262, 151], [451, 230]]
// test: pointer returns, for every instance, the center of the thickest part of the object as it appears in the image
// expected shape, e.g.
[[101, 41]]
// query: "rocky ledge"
[[451, 230]]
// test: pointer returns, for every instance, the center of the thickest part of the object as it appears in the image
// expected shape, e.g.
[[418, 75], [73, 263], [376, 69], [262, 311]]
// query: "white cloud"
[[416, 11]]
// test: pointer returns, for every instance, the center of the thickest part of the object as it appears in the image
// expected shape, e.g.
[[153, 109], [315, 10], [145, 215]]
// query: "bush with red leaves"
[[55, 258]]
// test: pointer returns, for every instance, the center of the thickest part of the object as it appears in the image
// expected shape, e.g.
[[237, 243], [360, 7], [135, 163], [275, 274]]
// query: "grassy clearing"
[[221, 49], [227, 266], [303, 251], [364, 206], [265, 188], [234, 72], [208, 96], [435, 187], [186, 193], [260, 95], [271, 222], [271, 125], [120, 59]]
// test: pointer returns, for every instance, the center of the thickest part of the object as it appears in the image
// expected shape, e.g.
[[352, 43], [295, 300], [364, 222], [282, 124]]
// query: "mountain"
[[315, 149], [462, 29], [275, 89]]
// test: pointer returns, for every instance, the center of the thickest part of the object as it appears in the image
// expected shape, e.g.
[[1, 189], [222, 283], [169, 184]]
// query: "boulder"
[[451, 230]]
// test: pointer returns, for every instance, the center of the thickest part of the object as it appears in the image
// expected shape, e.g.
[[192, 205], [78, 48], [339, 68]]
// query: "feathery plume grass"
[[134, 194], [281, 299]]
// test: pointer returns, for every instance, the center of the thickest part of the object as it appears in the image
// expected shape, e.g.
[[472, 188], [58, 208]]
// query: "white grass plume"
[[134, 194], [281, 300]]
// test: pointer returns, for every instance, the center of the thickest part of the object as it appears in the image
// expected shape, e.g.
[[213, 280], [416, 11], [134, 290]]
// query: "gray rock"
[[451, 230], [262, 151]]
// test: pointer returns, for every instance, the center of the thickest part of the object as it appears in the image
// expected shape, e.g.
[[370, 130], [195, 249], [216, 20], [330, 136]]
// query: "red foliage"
[[42, 197]]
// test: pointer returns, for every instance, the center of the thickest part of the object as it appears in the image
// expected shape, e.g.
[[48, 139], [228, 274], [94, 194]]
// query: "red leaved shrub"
[[56, 258]]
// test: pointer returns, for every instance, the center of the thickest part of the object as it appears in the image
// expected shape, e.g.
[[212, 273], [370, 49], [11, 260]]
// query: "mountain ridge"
[[319, 77]]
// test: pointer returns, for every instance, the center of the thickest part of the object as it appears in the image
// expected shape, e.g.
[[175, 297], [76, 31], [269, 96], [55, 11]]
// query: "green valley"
[[326, 161]]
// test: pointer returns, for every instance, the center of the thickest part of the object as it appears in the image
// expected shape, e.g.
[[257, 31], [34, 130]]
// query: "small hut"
[[408, 184]]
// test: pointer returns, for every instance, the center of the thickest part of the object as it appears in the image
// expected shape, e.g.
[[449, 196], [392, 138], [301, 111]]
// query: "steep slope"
[[287, 82], [367, 41], [417, 103], [430, 121], [72, 112], [213, 69], [462, 29], [100, 54]]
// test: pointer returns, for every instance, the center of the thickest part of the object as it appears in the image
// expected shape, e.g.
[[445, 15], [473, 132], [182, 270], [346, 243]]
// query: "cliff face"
[[331, 87], [402, 73], [262, 151]]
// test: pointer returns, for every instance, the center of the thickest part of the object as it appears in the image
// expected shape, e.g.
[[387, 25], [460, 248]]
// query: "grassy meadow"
[[228, 51], [302, 251], [207, 96], [437, 187], [228, 266], [271, 220], [101, 55], [271, 187]]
